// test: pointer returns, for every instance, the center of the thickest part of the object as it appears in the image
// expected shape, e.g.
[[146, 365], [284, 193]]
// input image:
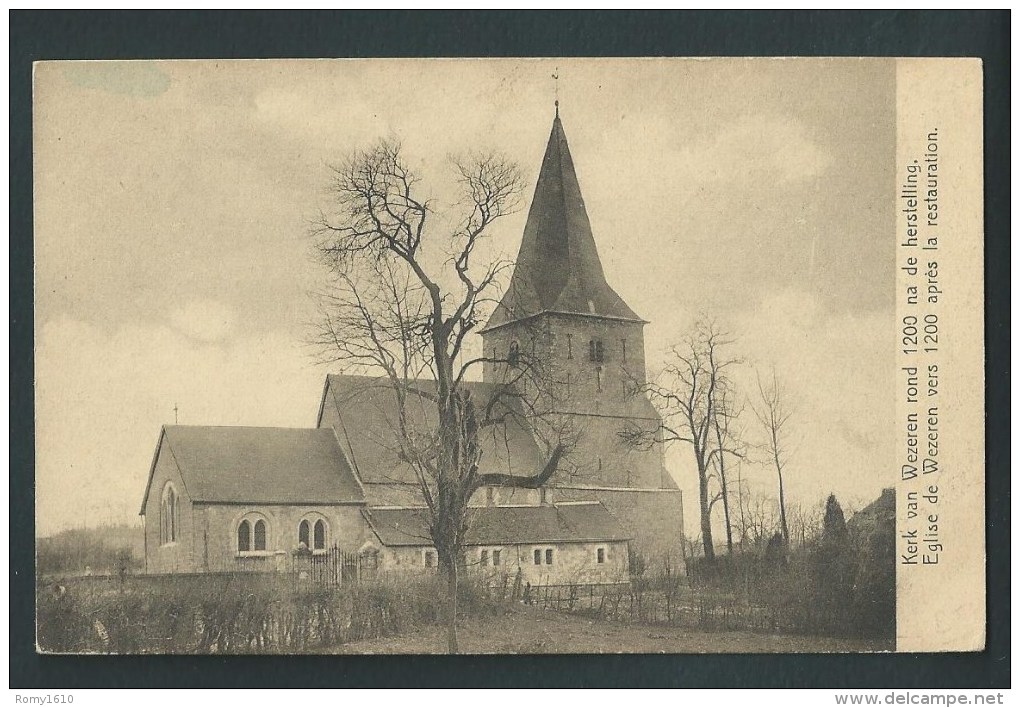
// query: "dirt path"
[[528, 630]]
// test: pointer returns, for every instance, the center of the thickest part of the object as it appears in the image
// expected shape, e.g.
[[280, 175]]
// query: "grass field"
[[529, 630]]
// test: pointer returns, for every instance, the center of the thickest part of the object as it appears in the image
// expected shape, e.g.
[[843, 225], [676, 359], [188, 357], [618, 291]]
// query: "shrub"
[[236, 613]]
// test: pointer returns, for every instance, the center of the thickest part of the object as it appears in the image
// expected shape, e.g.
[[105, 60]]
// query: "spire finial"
[[556, 91]]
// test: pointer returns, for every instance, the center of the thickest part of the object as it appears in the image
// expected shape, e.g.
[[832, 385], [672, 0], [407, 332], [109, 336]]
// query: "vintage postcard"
[[509, 356]]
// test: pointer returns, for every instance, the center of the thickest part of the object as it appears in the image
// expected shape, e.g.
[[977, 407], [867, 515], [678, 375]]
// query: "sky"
[[174, 265]]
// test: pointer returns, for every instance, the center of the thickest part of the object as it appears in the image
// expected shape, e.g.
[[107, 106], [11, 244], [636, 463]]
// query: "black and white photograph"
[[504, 356]]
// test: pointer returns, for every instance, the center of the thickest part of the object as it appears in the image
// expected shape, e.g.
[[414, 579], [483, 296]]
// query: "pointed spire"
[[558, 267]]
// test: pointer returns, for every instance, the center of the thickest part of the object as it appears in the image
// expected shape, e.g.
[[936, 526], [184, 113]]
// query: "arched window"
[[260, 536], [252, 533], [313, 531], [320, 535], [169, 516], [514, 358], [244, 536], [595, 351]]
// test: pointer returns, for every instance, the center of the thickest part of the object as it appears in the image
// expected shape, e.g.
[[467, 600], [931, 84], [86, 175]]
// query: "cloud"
[[205, 320], [777, 149], [102, 396]]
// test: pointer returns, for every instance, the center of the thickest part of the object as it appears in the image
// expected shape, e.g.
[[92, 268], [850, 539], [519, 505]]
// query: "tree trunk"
[[452, 645], [706, 515], [740, 507], [782, 504], [726, 507], [725, 494]]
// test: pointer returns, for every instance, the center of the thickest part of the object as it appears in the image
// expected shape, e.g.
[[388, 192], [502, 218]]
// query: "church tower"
[[588, 344]]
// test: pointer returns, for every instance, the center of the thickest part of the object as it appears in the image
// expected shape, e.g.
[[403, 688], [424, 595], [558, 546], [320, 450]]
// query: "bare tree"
[[688, 397], [805, 522], [774, 417], [761, 520], [726, 444], [402, 303]]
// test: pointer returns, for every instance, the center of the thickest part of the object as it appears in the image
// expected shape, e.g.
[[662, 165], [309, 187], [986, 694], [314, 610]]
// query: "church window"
[[538, 556], [514, 357], [548, 556], [495, 557], [244, 536], [259, 541], [319, 535], [595, 350], [623, 349], [430, 559], [312, 533], [169, 516], [570, 348], [253, 534], [600, 555], [484, 558]]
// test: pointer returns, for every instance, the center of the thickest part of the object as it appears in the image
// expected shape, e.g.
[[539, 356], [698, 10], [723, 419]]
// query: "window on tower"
[[514, 357]]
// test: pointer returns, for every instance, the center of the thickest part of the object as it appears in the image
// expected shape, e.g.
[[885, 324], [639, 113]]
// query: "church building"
[[230, 498]]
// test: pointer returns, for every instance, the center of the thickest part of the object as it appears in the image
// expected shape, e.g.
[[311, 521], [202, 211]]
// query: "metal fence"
[[330, 567]]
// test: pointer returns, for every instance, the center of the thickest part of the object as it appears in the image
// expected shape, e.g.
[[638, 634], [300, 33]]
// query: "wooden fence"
[[679, 605]]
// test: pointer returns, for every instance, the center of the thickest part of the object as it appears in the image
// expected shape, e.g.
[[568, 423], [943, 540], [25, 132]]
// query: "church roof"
[[504, 525], [558, 267], [367, 410], [229, 464]]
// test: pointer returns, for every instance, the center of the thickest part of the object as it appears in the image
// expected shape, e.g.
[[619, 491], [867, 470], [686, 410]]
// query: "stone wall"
[[560, 345], [654, 518], [572, 563], [600, 399], [178, 555], [216, 532]]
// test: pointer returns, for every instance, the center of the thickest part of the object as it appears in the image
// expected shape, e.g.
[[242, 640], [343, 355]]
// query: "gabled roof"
[[367, 408], [504, 525], [879, 513], [558, 267], [260, 465]]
